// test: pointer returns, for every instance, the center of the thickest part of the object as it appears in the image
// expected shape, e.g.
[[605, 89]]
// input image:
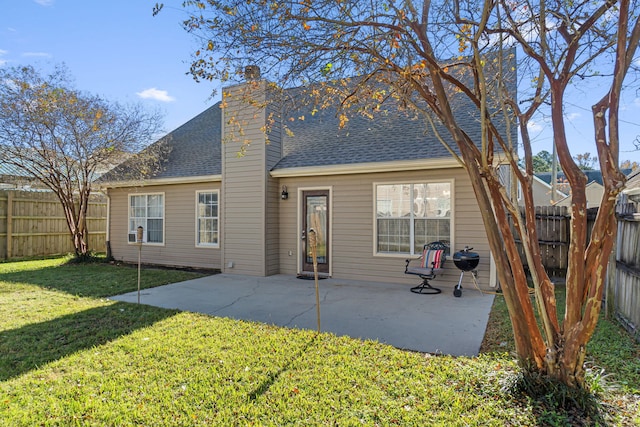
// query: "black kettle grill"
[[466, 261]]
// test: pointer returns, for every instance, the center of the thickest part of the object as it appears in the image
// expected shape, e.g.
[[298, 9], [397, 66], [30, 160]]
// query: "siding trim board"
[[162, 181], [374, 167]]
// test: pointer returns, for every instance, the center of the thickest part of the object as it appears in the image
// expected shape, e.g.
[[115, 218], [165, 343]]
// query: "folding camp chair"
[[428, 266]]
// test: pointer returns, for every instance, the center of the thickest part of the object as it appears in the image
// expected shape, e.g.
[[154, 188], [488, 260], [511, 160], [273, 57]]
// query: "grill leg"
[[457, 291]]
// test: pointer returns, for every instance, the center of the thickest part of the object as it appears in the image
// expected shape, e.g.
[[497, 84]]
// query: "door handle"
[[303, 236]]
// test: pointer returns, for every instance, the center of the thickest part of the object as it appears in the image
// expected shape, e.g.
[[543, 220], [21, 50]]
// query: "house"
[[631, 193], [12, 177], [594, 189], [541, 193], [374, 192]]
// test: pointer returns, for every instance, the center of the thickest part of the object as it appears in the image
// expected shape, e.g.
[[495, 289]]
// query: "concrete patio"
[[386, 312]]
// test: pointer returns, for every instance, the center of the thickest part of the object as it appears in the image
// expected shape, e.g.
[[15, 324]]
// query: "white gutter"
[[631, 191], [371, 167], [162, 181]]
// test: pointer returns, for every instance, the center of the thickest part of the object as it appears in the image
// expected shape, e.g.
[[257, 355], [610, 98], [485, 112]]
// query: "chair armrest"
[[409, 261]]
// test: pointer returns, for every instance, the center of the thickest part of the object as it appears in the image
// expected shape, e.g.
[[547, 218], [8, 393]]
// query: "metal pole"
[[313, 243]]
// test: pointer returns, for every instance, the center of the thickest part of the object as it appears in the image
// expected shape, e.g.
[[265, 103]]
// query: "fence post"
[[9, 224]]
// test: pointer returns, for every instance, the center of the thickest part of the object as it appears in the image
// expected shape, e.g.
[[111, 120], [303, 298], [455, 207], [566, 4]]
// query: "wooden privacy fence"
[[32, 223], [626, 292], [553, 224], [554, 232]]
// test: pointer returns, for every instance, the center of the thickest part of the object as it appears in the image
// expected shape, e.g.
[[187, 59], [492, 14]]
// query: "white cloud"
[[572, 116], [3, 61], [44, 2], [156, 94], [37, 54], [534, 126]]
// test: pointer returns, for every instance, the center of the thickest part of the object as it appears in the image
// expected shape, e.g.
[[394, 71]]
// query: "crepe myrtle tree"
[[430, 57], [63, 137]]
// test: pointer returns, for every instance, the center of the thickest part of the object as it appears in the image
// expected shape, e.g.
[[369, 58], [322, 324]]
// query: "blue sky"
[[113, 48], [118, 50]]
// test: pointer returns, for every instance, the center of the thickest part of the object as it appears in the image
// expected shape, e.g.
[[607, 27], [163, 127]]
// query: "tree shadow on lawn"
[[34, 345], [95, 280]]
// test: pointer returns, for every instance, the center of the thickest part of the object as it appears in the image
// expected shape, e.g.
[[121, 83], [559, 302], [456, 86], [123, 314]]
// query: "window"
[[410, 215], [207, 218], [147, 210]]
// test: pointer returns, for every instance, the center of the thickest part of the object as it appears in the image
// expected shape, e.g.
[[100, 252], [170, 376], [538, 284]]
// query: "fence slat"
[[34, 224], [627, 286], [553, 224], [553, 229]]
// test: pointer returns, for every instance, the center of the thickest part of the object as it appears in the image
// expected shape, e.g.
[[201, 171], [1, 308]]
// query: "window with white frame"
[[207, 218], [147, 210], [410, 215]]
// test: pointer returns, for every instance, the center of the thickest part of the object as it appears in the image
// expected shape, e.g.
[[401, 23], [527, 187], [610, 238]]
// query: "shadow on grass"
[[273, 377], [95, 280], [34, 345]]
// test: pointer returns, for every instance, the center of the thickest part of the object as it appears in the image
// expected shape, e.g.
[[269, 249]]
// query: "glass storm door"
[[315, 215]]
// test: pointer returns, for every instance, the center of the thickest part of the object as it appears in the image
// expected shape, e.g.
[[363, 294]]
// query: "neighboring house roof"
[[593, 192], [13, 177], [591, 176], [542, 192], [12, 170], [632, 188]]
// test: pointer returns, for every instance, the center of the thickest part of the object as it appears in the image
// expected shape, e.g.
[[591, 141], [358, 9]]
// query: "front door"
[[315, 215]]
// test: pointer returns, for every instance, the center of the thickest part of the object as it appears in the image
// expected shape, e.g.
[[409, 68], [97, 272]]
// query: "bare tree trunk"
[[529, 344], [76, 218]]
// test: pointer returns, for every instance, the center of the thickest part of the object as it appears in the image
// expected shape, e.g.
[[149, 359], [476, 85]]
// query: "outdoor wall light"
[[284, 195]]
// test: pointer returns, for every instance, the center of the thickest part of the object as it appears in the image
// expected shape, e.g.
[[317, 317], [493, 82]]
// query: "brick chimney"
[[252, 73]]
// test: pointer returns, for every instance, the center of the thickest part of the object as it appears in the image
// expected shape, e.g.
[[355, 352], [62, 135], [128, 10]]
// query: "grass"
[[68, 356], [613, 359], [612, 355], [89, 280]]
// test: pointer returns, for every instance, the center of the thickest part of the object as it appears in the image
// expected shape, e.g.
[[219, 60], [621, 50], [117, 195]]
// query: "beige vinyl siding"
[[593, 192], [273, 200], [244, 183], [542, 193], [353, 214], [179, 247]]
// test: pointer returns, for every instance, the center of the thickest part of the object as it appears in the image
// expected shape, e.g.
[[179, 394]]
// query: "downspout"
[[108, 230]]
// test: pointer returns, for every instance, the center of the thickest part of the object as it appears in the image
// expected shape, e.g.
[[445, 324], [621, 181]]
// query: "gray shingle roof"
[[317, 140], [196, 146], [392, 135], [195, 150]]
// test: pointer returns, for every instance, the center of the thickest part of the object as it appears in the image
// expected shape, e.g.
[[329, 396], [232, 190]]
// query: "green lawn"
[[70, 357]]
